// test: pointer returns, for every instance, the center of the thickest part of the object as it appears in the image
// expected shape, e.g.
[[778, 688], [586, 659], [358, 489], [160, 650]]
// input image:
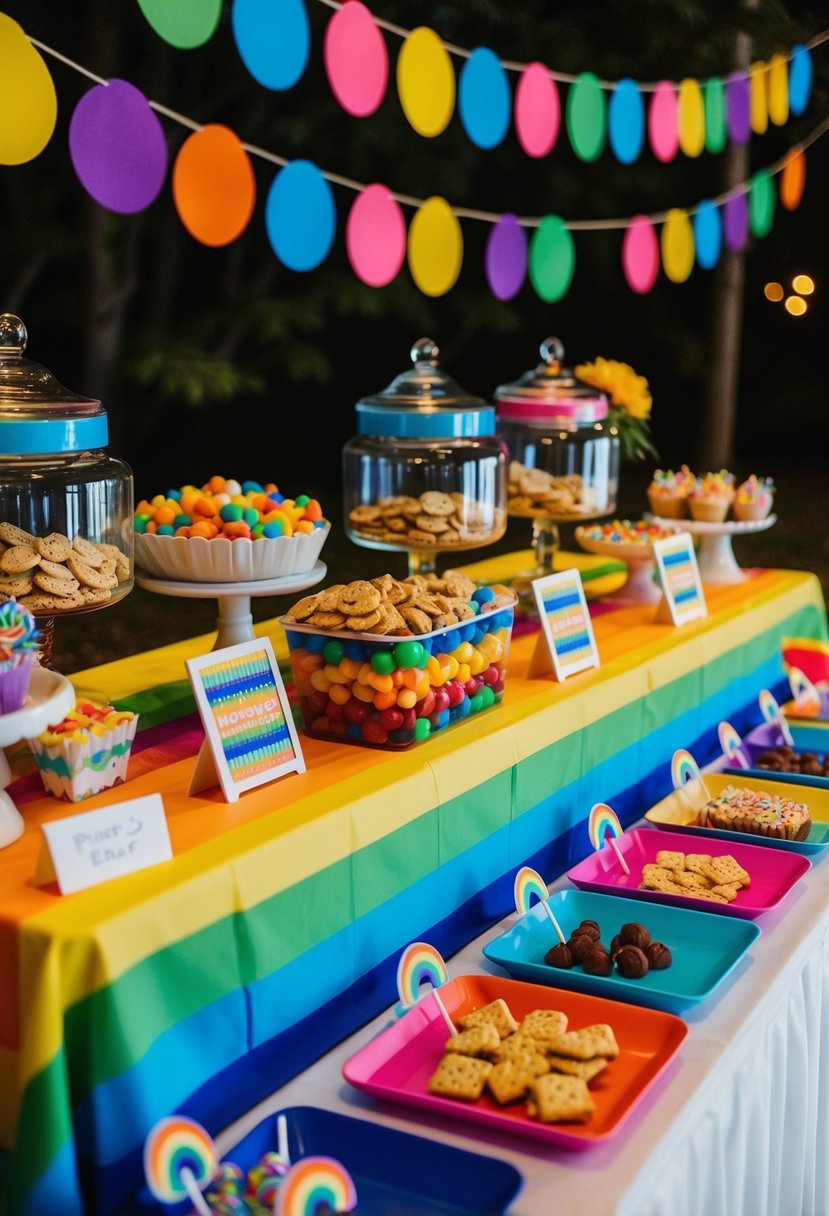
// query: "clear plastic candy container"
[[66, 530], [426, 472]]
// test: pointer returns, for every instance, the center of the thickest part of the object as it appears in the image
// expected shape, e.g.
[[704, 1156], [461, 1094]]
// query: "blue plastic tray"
[[805, 738], [395, 1174], [703, 954]]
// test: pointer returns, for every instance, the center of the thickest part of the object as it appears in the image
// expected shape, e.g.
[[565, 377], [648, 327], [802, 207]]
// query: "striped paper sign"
[[676, 563], [565, 620], [251, 737]]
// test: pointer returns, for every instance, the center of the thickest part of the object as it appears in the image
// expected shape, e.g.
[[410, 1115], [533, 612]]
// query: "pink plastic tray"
[[773, 871], [397, 1064]]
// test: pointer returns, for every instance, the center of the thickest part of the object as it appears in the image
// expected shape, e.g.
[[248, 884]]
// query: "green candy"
[[422, 729], [487, 696], [333, 652], [408, 654], [382, 661], [476, 703]]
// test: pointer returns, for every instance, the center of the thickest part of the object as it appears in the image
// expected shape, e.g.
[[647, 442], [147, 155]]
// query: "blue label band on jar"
[[19, 438], [434, 424]]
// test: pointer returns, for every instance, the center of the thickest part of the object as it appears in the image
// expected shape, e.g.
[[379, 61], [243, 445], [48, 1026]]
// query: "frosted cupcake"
[[85, 753], [711, 496], [668, 492], [753, 498], [19, 641]]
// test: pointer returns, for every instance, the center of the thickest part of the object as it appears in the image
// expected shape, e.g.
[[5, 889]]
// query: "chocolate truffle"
[[591, 928], [616, 945], [559, 956], [579, 945], [658, 956], [632, 962], [634, 934], [597, 962]]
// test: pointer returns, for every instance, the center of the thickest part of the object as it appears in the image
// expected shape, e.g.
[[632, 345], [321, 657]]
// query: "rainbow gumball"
[[602, 820], [419, 964], [174, 1145], [316, 1186], [528, 885], [731, 744]]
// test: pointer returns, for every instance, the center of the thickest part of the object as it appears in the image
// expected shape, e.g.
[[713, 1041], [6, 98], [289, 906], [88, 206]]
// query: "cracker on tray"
[[459, 1076], [554, 1098]]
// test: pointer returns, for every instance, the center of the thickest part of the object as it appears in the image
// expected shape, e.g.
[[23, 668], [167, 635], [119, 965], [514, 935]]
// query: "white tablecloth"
[[737, 1126]]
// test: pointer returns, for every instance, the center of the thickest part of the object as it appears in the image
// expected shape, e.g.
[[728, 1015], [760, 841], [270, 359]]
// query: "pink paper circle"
[[537, 110], [356, 59], [663, 122], [375, 236], [640, 255], [117, 147]]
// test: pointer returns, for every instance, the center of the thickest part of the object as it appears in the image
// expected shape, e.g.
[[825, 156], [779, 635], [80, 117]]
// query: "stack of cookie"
[[697, 875], [535, 494], [538, 1061], [50, 574], [433, 519]]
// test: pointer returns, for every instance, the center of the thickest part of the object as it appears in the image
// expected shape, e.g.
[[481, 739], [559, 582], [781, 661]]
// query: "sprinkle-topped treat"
[[225, 507], [753, 498], [711, 496], [746, 810], [668, 492], [623, 532], [85, 753], [19, 640]]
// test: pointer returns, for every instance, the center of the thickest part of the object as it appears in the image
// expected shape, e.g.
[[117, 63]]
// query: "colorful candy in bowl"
[[388, 663], [227, 532]]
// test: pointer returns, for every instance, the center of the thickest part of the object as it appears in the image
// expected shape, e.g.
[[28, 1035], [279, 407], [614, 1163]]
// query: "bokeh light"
[[795, 305], [773, 292], [803, 284]]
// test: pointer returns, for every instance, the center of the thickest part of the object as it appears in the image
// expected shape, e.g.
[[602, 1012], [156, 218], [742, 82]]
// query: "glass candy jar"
[[564, 455], [66, 532], [426, 473]]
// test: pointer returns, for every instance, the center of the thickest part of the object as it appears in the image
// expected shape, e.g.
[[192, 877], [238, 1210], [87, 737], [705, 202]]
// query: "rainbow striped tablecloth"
[[204, 983]]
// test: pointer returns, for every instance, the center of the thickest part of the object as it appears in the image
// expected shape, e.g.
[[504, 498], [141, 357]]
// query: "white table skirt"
[[737, 1126]]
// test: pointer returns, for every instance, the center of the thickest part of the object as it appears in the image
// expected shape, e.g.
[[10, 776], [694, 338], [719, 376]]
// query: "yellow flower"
[[621, 383]]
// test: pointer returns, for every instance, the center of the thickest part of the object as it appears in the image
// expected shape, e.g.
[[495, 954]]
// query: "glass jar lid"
[[424, 403], [551, 393], [37, 414]]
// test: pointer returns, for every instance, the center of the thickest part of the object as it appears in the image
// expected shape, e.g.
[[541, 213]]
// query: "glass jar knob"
[[552, 352], [425, 353], [13, 335]]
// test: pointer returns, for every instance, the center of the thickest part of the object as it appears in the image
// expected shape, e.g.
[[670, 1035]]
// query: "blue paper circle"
[[626, 121], [800, 79], [273, 40], [707, 235], [300, 216], [484, 98]]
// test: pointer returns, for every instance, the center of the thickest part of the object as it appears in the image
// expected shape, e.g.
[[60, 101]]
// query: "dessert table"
[[206, 983]]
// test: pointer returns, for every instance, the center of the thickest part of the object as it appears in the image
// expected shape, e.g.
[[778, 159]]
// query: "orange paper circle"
[[677, 243], [435, 247], [426, 82], [691, 118], [214, 189], [793, 182], [27, 97]]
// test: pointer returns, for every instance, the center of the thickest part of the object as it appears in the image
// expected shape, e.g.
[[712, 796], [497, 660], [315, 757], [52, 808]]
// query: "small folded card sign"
[[91, 847], [682, 596], [251, 737], [567, 637]]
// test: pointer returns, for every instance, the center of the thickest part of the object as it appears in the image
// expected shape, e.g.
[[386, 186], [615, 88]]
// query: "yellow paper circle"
[[778, 83], [677, 243], [435, 247], [758, 92], [27, 97], [691, 118], [426, 82]]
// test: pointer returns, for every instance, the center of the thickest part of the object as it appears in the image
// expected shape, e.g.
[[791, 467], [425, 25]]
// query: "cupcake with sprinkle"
[[19, 642], [711, 497], [753, 498]]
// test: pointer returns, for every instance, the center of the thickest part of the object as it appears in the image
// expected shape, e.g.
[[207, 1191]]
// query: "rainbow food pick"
[[603, 827], [175, 1148], [419, 964], [805, 694], [683, 768], [771, 713], [730, 742], [316, 1186], [529, 884]]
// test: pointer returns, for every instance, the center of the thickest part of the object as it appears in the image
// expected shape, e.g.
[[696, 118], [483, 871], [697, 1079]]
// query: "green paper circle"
[[713, 94], [552, 259], [587, 117], [183, 23], [761, 202]]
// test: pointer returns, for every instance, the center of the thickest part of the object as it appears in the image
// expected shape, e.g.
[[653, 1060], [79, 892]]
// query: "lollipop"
[[316, 1185], [528, 885], [418, 964], [179, 1160], [603, 827]]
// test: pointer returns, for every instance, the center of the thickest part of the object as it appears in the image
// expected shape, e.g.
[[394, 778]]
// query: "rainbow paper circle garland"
[[683, 768], [176, 1144], [420, 963], [601, 821], [314, 1186], [528, 885]]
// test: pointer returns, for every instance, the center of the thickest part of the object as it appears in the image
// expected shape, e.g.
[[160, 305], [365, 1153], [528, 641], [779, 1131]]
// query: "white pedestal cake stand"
[[50, 698], [640, 587], [234, 621], [715, 557]]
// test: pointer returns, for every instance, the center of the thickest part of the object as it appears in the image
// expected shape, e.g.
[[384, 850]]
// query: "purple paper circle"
[[735, 221], [117, 147], [738, 107], [506, 258]]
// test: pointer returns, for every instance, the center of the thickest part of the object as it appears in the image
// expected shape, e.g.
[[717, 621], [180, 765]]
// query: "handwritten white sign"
[[94, 846]]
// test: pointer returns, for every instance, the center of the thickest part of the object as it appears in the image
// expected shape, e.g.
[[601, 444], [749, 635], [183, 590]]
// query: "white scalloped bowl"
[[198, 560]]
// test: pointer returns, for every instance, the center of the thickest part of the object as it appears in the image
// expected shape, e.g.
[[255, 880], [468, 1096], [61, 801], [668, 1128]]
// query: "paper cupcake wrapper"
[[76, 771], [15, 677]]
